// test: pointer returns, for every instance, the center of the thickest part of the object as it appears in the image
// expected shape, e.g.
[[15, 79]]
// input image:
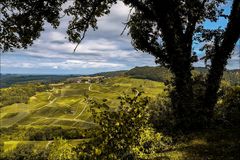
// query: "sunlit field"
[[66, 106]]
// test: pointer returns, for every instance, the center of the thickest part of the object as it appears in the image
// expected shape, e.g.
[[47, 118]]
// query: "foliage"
[[161, 74], [60, 149], [1, 148], [22, 21], [161, 113], [118, 130], [232, 77], [220, 52], [151, 143], [228, 108], [48, 133], [43, 133], [20, 93], [26, 152], [164, 116], [164, 29], [8, 80], [111, 73]]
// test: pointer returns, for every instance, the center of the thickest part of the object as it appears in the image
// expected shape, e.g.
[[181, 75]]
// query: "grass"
[[211, 144], [8, 122]]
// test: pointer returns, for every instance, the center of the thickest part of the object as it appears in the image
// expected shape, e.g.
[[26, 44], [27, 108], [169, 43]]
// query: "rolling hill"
[[7, 80], [66, 106], [64, 110], [157, 73], [162, 74]]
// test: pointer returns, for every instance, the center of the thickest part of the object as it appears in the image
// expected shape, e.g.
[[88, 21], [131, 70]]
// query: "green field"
[[65, 105]]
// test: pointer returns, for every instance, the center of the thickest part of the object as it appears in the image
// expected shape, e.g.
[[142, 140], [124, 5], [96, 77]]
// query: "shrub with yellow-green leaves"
[[228, 107], [119, 130], [60, 149], [151, 143]]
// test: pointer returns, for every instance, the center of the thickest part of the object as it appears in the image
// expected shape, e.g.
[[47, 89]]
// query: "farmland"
[[64, 110], [66, 106]]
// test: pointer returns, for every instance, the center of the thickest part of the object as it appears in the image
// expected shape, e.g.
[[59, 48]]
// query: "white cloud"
[[55, 67], [56, 36], [67, 64], [104, 48], [77, 64]]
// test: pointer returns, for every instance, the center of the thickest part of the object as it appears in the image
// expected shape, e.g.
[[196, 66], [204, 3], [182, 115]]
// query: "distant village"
[[84, 79]]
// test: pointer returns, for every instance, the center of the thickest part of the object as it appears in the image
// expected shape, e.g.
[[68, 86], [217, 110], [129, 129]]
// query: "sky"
[[102, 50]]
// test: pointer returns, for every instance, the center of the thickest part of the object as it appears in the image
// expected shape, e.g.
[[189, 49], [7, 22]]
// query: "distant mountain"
[[163, 74], [111, 73], [152, 73], [158, 73], [7, 80]]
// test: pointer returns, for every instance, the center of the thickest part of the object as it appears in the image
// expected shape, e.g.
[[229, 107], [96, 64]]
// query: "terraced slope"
[[65, 105]]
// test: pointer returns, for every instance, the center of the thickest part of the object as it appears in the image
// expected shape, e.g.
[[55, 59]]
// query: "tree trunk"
[[182, 96], [180, 66], [220, 58], [213, 83]]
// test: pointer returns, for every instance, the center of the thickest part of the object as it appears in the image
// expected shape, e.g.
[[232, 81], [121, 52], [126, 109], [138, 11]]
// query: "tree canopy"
[[164, 29]]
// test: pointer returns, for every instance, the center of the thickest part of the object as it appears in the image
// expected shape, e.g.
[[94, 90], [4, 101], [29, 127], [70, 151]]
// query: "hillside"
[[67, 101], [7, 80], [111, 73], [163, 74], [158, 73], [62, 110], [64, 106]]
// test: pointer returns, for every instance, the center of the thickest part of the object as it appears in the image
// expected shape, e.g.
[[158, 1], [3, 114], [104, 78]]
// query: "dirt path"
[[64, 119], [51, 102], [69, 106], [90, 89], [49, 142], [84, 108]]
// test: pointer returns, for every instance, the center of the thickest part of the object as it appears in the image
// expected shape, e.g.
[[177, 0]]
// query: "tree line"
[[20, 93]]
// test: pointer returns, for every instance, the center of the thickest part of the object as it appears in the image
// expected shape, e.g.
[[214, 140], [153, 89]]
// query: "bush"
[[119, 130], [150, 143], [165, 114], [49, 133], [1, 150], [26, 152], [60, 149], [161, 114], [228, 107]]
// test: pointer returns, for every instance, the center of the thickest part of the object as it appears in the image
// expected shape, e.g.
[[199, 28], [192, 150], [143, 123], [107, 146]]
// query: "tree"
[[223, 48], [119, 130], [165, 29], [61, 149]]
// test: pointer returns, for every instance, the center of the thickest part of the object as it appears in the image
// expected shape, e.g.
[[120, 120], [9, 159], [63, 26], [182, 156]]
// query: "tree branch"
[[219, 60], [192, 23], [126, 24], [141, 7], [232, 33]]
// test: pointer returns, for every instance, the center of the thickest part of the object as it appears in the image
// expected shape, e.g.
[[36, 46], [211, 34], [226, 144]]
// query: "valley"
[[66, 106]]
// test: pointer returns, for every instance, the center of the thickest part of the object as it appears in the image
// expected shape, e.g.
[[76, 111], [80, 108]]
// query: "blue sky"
[[101, 50]]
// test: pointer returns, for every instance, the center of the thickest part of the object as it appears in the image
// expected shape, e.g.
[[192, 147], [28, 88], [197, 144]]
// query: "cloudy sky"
[[101, 50]]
